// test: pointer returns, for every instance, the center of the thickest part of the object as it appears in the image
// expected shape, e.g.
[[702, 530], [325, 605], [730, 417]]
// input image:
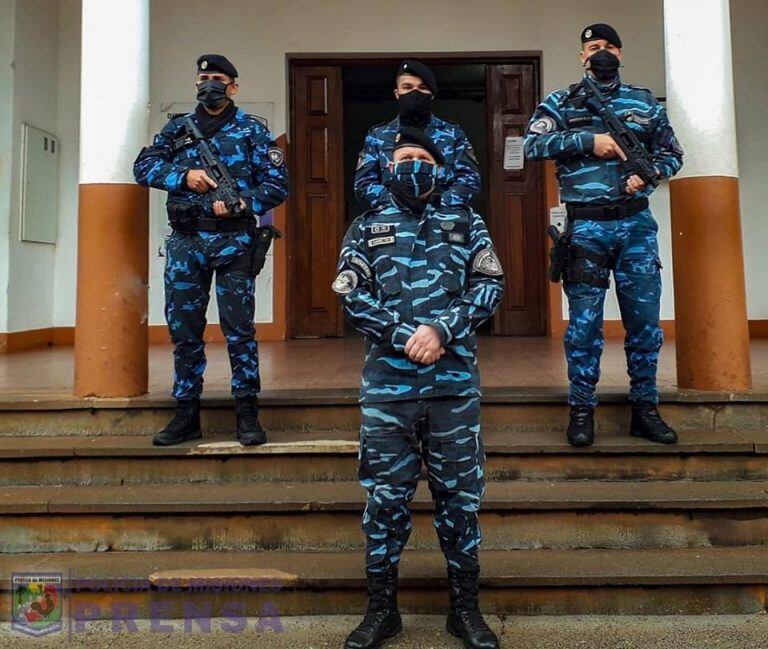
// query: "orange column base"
[[711, 326], [113, 259]]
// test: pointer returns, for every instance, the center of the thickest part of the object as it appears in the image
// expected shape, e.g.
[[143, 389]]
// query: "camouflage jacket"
[[244, 145], [398, 270], [563, 130], [459, 180]]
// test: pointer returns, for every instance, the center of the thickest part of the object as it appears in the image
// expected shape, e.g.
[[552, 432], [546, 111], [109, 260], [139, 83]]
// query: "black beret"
[[418, 69], [601, 30], [410, 136], [216, 63]]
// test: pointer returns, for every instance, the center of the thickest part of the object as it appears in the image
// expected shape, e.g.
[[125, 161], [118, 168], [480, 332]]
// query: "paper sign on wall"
[[513, 153]]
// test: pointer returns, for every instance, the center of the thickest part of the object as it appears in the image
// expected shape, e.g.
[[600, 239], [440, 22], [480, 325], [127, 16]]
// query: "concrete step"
[[324, 516], [680, 581], [328, 456], [419, 632], [511, 409]]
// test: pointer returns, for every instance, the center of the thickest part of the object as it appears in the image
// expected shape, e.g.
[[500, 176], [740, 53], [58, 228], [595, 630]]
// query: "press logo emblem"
[[36, 603]]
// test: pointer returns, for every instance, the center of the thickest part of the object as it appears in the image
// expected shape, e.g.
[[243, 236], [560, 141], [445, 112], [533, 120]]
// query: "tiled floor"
[[335, 363]]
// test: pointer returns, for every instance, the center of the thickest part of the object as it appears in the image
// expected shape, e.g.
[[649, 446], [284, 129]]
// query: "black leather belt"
[[605, 212], [222, 224]]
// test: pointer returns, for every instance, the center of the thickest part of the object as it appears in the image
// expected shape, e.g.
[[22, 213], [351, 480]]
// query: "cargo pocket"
[[456, 466], [378, 455], [452, 283], [388, 279]]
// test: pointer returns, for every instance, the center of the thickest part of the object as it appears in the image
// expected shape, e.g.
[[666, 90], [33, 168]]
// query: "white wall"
[[7, 31], [68, 130], [30, 289], [257, 34], [749, 21]]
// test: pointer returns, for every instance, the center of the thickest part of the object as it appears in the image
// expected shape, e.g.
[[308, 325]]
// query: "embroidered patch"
[[543, 125], [380, 241], [380, 229], [487, 263], [637, 118], [276, 156], [447, 225], [365, 269], [345, 282], [578, 120], [456, 237]]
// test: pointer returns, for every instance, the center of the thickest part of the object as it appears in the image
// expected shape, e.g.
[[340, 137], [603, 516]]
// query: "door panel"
[[318, 202], [515, 218]]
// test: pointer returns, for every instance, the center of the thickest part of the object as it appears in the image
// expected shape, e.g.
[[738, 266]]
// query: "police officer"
[[611, 229], [418, 279], [416, 88], [207, 237]]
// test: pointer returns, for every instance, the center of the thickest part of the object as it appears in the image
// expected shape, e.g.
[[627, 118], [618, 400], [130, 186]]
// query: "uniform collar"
[[414, 208], [608, 88], [434, 121]]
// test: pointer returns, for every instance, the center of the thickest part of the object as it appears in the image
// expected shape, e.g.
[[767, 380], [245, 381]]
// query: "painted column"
[[112, 263], [711, 326]]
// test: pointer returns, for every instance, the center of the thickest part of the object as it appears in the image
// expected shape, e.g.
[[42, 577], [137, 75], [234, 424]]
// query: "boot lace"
[[580, 415]]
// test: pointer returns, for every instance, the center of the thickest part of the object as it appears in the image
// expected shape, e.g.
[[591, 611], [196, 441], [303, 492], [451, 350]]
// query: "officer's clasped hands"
[[424, 346]]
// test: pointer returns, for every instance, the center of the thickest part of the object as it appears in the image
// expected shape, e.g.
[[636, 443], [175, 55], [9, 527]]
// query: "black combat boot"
[[382, 619], [465, 620], [184, 426], [581, 429], [249, 430], [647, 423]]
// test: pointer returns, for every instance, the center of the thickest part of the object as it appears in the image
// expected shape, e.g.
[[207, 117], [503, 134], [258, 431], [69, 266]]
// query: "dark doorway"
[[368, 100], [336, 99]]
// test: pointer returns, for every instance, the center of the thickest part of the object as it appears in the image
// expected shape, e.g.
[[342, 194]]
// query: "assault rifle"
[[227, 191], [638, 160], [226, 187]]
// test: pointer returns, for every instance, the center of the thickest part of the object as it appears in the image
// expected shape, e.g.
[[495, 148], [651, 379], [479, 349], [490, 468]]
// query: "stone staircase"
[[624, 527]]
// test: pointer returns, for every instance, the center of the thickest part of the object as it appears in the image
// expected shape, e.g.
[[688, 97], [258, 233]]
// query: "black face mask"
[[211, 93], [604, 65], [415, 108]]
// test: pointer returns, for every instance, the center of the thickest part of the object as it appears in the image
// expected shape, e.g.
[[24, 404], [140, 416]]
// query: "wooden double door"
[[515, 216]]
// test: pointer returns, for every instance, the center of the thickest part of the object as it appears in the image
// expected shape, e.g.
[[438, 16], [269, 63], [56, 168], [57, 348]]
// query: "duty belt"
[[222, 224], [188, 220], [606, 211]]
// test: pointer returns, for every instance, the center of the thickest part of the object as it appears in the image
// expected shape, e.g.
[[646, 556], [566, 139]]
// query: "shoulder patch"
[[345, 282], [487, 263], [362, 266], [276, 156], [542, 125]]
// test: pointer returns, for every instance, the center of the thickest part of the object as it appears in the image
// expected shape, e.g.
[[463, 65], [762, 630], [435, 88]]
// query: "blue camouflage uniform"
[[459, 179], [248, 150], [398, 270], [563, 130]]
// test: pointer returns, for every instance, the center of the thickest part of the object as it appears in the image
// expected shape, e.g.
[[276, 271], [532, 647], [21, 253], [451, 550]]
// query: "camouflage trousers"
[[631, 247], [396, 437], [191, 260]]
